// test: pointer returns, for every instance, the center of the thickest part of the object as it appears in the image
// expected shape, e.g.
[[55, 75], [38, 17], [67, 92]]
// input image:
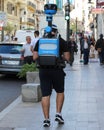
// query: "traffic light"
[[67, 10]]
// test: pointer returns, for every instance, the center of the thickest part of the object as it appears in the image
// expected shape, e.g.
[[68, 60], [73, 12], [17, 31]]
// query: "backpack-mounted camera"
[[48, 46]]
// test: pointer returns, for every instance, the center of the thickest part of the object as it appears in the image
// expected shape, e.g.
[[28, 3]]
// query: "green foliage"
[[73, 27], [27, 68], [29, 29], [9, 28]]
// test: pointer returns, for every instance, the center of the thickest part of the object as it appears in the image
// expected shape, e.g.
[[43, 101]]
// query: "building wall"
[[61, 25], [23, 14], [100, 19], [100, 25]]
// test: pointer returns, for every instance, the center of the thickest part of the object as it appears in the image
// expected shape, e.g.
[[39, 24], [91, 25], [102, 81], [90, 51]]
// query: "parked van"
[[21, 35]]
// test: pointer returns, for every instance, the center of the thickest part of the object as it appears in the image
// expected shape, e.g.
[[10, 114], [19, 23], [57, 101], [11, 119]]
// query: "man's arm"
[[31, 48], [66, 56], [35, 51], [35, 55]]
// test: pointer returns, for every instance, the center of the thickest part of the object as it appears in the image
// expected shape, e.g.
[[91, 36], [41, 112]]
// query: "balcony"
[[31, 6], [20, 2], [30, 21], [39, 12]]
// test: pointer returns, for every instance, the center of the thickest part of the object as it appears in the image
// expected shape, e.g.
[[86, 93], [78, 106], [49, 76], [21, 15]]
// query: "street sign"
[[1, 28], [3, 19], [100, 2]]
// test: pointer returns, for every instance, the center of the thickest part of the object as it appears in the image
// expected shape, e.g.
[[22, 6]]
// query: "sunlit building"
[[22, 14]]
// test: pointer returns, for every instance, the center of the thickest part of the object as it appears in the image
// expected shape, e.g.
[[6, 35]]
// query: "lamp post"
[[76, 29], [67, 18], [2, 33]]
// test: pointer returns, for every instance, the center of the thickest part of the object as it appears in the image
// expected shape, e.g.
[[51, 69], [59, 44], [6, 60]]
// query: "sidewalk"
[[83, 107]]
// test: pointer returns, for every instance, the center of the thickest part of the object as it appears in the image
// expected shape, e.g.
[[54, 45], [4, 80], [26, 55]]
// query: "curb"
[[10, 107]]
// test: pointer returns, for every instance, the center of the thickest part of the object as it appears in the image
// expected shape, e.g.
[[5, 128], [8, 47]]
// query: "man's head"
[[28, 39], [36, 33], [101, 35], [54, 30]]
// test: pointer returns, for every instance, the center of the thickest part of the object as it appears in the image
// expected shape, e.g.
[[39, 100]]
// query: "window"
[[8, 49], [9, 8], [1, 5], [15, 10]]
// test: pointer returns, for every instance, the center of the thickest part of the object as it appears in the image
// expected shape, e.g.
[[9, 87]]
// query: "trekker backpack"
[[48, 52]]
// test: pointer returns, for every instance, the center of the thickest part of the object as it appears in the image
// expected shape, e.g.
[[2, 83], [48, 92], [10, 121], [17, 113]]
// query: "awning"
[[97, 11], [100, 2]]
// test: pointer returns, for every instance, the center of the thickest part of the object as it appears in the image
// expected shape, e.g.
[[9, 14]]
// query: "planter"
[[31, 92], [32, 77]]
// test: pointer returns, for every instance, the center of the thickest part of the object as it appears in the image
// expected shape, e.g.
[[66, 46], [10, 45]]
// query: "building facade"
[[100, 17], [22, 14]]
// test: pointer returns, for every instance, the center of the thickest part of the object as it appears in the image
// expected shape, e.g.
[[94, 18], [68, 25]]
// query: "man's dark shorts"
[[51, 79]]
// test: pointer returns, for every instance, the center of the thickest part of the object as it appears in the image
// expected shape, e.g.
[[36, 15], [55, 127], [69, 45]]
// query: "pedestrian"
[[53, 78], [92, 41], [92, 47], [12, 37], [100, 48], [86, 49], [36, 35], [15, 39], [28, 55], [6, 37], [81, 50], [72, 48]]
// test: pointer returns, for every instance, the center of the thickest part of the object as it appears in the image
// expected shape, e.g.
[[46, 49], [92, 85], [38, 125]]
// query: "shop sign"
[[97, 11]]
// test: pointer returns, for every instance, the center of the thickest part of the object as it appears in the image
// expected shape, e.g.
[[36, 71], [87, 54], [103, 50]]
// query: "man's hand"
[[99, 49]]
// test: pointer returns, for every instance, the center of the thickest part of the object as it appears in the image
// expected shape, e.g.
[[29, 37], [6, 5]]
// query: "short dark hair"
[[101, 35], [36, 32]]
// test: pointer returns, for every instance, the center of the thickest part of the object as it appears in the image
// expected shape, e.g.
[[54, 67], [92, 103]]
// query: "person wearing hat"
[[53, 78], [100, 48]]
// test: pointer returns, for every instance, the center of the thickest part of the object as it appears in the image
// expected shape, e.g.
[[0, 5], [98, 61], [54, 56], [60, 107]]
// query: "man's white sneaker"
[[59, 119], [46, 123]]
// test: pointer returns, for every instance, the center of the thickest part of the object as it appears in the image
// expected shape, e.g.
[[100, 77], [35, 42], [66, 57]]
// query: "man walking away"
[[100, 48], [53, 78]]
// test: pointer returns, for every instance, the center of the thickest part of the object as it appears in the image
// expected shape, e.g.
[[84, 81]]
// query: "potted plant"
[[30, 72]]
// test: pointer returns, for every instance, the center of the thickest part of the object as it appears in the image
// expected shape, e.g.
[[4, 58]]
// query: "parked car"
[[11, 59]]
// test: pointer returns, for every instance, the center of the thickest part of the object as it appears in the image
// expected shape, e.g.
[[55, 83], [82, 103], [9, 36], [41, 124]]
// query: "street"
[[10, 89]]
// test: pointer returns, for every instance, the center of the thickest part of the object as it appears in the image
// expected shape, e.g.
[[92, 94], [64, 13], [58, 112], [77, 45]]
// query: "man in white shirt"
[[28, 55], [32, 45]]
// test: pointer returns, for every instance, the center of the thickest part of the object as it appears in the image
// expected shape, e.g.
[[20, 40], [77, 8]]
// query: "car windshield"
[[10, 48]]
